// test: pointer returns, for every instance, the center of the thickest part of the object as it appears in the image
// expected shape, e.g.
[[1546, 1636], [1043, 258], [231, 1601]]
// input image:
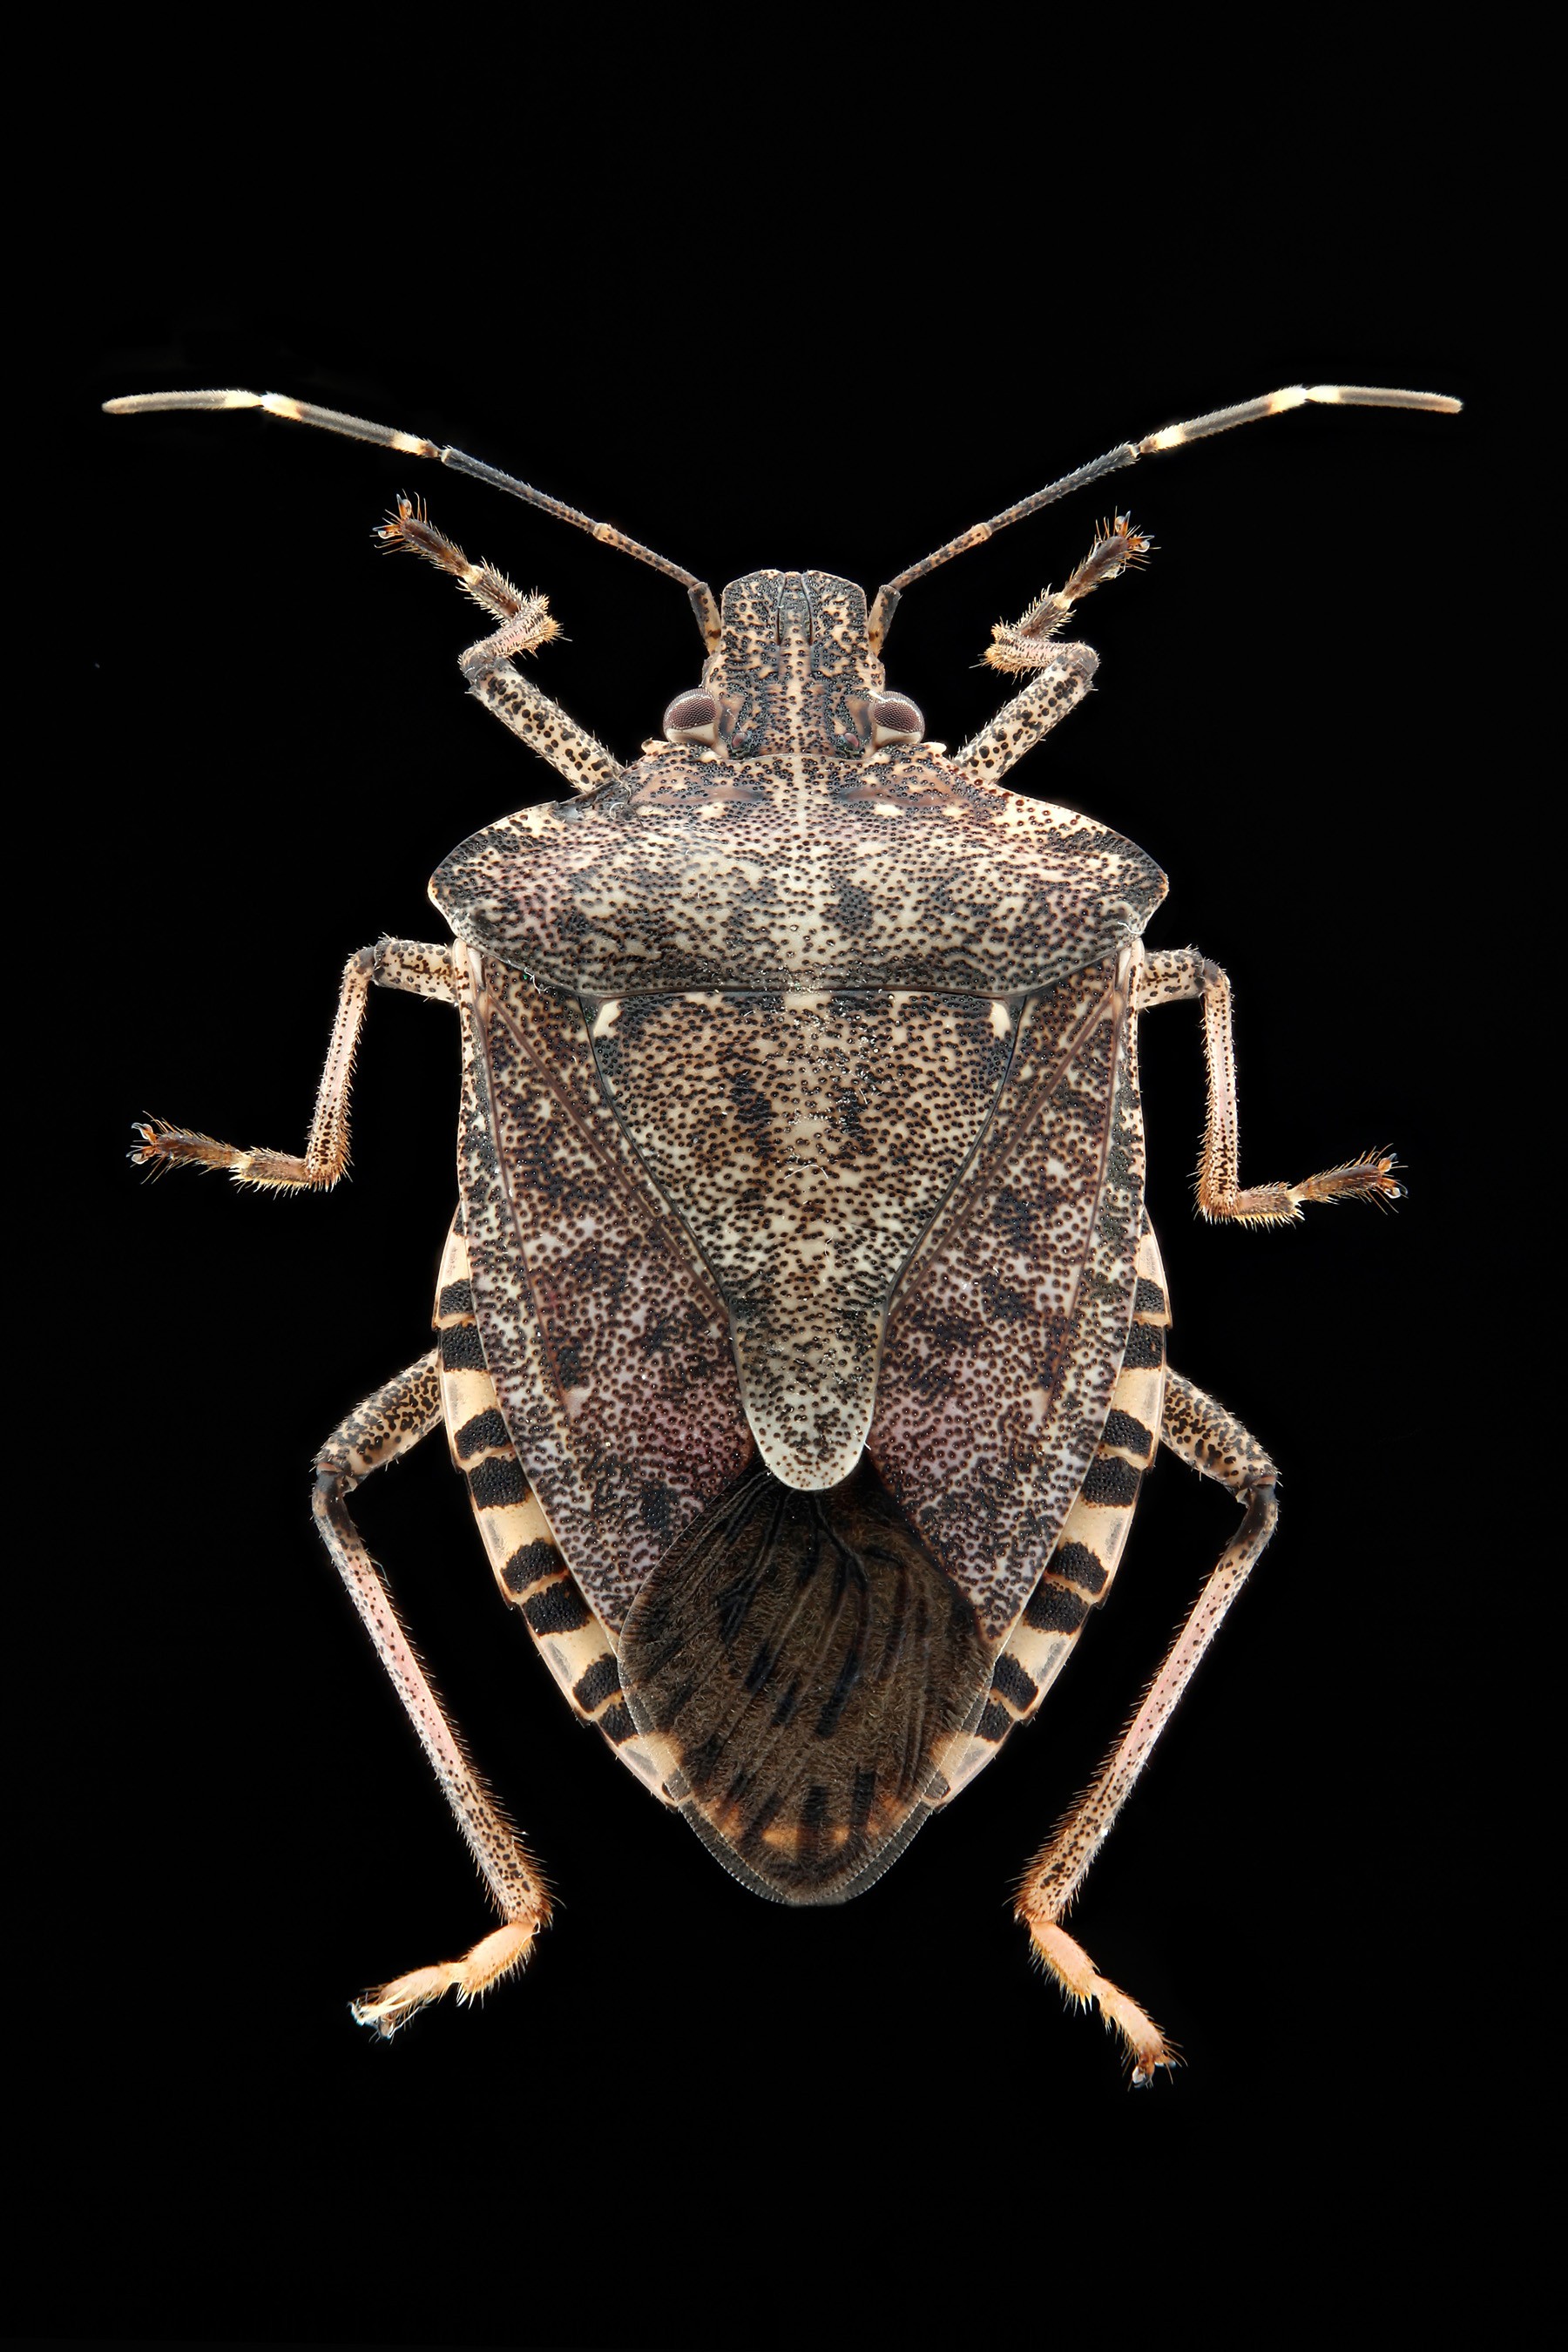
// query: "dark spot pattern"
[[1079, 1565], [485, 1430], [1109, 1481], [1011, 1683], [559, 1609], [1052, 1609], [461, 1350], [526, 1564], [602, 1680], [1123, 1429]]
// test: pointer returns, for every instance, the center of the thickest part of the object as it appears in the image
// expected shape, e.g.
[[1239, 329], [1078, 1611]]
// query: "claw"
[[165, 1146], [389, 2007]]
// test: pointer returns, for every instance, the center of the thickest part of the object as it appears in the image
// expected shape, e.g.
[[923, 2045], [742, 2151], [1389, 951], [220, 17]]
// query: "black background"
[[702, 2120]]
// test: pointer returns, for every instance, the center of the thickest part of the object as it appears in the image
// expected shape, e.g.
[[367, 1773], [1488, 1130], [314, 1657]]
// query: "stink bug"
[[801, 1330]]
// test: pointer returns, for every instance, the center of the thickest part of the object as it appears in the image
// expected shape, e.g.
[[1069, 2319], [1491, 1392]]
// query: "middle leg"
[[407, 964], [1175, 975]]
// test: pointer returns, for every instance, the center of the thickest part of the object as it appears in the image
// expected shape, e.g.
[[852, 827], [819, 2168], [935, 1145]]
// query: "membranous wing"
[[798, 1666]]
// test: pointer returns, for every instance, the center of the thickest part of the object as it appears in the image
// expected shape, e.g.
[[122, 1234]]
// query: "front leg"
[[526, 624], [1177, 975], [407, 964], [1064, 671], [1063, 681]]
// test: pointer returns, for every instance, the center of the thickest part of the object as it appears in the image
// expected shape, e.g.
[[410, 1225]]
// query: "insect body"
[[800, 1331]]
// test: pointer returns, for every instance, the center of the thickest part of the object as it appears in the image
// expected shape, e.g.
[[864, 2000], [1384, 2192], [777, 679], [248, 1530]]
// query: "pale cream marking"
[[608, 1014], [1141, 1391], [1041, 1655]]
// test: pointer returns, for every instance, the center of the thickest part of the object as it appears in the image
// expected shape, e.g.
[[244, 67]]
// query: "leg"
[[1018, 725], [393, 963], [1065, 670], [1205, 1437], [388, 1424], [526, 624], [1180, 974]]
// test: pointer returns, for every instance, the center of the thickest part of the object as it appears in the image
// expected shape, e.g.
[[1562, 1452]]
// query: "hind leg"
[[389, 1424], [1207, 1438]]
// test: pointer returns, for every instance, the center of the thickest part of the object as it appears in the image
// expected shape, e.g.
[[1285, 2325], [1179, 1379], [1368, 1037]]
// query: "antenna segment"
[[414, 444], [1172, 436]]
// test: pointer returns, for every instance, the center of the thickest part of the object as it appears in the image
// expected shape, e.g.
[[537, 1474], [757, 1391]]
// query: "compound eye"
[[692, 718], [895, 719]]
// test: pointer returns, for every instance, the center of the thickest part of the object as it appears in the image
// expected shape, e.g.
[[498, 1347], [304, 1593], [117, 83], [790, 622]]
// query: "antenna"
[[414, 444], [1172, 436]]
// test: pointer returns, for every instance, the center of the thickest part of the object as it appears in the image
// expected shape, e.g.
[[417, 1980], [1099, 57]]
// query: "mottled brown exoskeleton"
[[801, 1332]]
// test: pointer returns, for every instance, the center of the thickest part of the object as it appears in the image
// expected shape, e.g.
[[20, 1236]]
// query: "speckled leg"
[[407, 964], [389, 1424], [537, 721], [1064, 671], [1177, 975], [1211, 1442], [526, 625], [1019, 725]]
